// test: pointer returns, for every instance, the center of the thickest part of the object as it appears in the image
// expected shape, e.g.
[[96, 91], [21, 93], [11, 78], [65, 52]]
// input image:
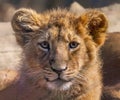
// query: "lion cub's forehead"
[[59, 24], [56, 33]]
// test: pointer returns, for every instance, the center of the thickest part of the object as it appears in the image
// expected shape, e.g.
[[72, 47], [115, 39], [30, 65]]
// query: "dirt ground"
[[10, 51]]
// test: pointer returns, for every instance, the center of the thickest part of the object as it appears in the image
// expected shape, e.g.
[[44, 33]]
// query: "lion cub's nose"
[[59, 70]]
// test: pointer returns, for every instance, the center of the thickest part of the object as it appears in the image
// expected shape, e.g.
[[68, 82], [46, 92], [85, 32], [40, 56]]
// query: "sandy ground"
[[10, 51]]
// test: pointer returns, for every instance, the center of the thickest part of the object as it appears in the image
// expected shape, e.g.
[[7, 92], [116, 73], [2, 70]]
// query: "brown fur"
[[111, 67], [111, 51], [83, 66]]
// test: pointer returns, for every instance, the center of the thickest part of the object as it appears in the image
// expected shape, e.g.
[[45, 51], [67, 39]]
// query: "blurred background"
[[10, 51], [7, 7]]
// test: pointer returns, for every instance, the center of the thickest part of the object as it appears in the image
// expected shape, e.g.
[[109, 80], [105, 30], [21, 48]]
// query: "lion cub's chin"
[[59, 85]]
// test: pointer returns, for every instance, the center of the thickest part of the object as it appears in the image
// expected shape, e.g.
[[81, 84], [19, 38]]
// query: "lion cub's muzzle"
[[58, 67], [58, 80], [58, 71]]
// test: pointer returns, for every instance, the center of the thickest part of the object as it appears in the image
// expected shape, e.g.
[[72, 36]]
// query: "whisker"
[[81, 79]]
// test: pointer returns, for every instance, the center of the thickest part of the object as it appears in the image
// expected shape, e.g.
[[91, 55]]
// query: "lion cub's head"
[[58, 45]]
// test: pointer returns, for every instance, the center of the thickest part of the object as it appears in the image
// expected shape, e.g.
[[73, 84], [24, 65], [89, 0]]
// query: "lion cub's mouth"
[[59, 84]]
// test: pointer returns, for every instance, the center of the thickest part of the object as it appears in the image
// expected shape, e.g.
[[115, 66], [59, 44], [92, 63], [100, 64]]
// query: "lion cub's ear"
[[24, 22], [96, 24]]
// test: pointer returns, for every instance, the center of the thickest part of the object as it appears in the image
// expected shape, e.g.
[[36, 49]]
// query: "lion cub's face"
[[57, 44], [62, 53]]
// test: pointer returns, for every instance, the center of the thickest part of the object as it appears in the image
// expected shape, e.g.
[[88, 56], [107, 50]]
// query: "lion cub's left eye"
[[44, 45], [73, 45]]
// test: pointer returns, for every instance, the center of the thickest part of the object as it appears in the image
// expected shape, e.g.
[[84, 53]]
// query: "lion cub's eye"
[[73, 45], [44, 45]]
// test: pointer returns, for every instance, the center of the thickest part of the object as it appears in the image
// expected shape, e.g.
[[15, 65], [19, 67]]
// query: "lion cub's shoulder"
[[7, 77]]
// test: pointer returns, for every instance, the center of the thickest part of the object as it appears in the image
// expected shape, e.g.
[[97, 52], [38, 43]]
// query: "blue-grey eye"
[[73, 44], [44, 45]]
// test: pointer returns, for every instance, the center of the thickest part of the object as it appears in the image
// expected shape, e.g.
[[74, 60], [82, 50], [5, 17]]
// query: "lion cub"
[[60, 55]]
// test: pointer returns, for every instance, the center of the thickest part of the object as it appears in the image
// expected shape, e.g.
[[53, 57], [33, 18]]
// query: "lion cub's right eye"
[[44, 45], [73, 45]]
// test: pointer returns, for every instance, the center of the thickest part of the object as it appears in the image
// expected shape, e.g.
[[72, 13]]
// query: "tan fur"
[[83, 66], [7, 77], [112, 92]]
